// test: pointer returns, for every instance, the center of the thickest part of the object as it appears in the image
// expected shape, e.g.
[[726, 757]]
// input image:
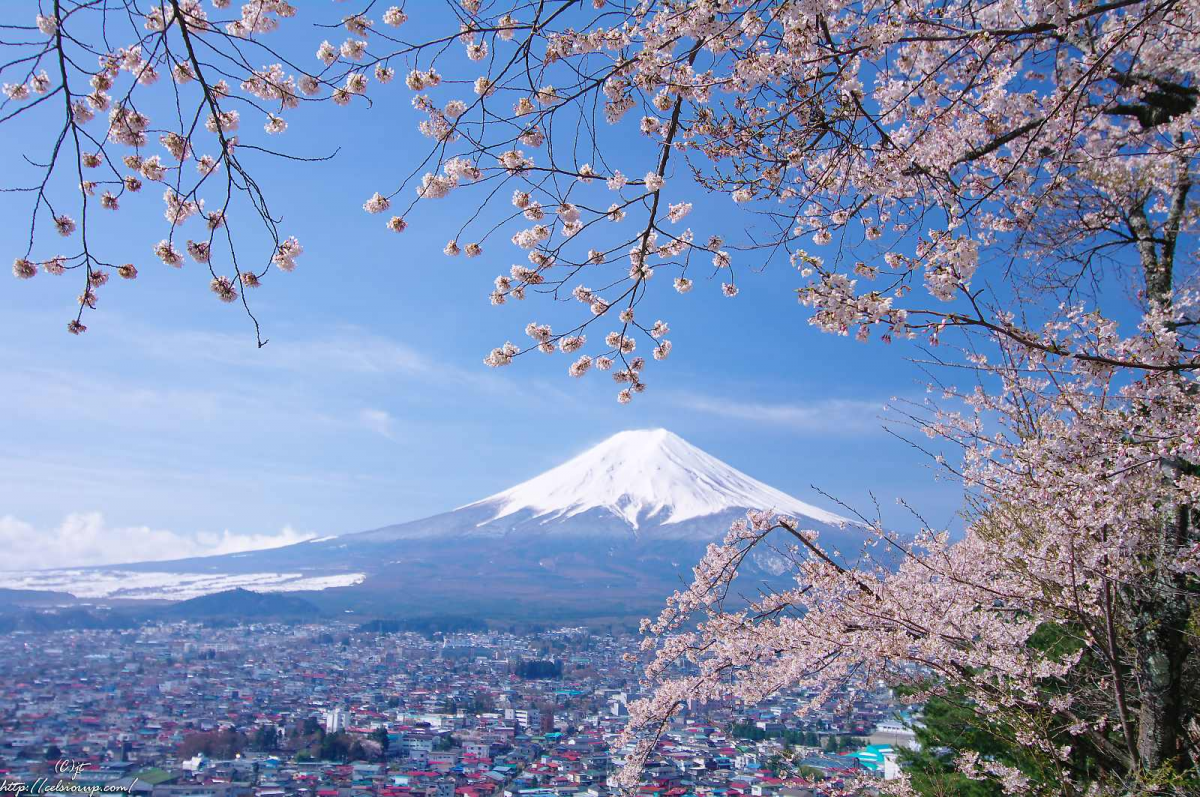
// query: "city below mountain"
[[608, 534]]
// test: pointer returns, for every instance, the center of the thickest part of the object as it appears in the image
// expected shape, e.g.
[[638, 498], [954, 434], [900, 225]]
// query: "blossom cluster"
[[812, 126], [118, 157]]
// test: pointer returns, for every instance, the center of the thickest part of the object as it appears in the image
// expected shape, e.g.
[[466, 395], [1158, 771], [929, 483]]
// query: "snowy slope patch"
[[172, 586], [646, 474]]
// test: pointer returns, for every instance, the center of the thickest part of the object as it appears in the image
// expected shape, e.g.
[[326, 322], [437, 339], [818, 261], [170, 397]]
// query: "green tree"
[[381, 735], [334, 747], [949, 728], [953, 725], [265, 738]]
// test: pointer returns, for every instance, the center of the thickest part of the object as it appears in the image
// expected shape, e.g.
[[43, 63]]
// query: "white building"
[[895, 733], [335, 720], [195, 763], [891, 765]]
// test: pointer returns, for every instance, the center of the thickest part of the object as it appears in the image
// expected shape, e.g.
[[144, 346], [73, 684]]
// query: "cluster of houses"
[[326, 710]]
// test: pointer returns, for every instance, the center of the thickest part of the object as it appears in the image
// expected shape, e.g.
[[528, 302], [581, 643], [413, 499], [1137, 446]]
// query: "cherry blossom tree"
[[1083, 530], [1009, 182], [902, 143]]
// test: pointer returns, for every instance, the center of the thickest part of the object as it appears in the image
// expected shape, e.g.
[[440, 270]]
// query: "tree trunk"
[[1162, 649], [1163, 607]]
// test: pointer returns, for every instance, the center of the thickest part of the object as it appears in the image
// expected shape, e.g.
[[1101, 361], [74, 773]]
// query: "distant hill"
[[240, 604], [46, 621], [33, 597], [228, 607]]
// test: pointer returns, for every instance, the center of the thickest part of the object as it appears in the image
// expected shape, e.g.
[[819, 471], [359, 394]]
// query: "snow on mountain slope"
[[166, 585], [645, 474]]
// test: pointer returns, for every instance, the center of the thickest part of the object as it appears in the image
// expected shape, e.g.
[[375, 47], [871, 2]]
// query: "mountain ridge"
[[611, 531]]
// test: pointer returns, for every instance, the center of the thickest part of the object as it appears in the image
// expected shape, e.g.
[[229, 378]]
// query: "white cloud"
[[84, 538], [380, 422], [824, 416]]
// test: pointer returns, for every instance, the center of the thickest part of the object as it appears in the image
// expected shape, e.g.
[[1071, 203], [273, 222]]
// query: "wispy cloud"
[[339, 350], [142, 403], [820, 416], [85, 538], [380, 422]]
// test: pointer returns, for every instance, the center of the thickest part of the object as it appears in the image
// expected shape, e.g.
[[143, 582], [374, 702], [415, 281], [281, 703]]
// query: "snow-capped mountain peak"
[[646, 473], [611, 531]]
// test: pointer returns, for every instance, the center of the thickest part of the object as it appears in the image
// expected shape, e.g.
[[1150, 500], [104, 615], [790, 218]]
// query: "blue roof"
[[872, 755]]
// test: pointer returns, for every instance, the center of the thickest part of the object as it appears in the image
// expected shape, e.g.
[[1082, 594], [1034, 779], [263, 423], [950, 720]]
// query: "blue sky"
[[164, 430]]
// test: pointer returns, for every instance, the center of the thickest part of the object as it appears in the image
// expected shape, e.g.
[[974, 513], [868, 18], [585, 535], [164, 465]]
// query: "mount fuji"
[[609, 533], [653, 475]]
